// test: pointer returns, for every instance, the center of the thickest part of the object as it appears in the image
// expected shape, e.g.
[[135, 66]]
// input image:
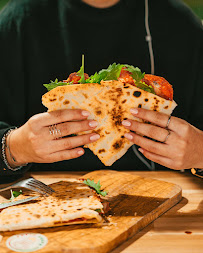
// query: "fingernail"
[[94, 137], [80, 152], [128, 136], [141, 150], [134, 111], [126, 123], [93, 123], [85, 113]]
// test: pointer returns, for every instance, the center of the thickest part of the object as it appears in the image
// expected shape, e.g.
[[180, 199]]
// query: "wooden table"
[[178, 230]]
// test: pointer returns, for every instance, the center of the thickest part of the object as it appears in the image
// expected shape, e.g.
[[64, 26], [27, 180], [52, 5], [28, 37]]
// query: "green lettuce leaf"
[[96, 78], [81, 72], [54, 84], [111, 73], [15, 194], [95, 186], [145, 87], [136, 72]]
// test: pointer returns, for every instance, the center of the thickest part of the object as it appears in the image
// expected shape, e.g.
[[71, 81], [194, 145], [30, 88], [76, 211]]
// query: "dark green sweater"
[[44, 39]]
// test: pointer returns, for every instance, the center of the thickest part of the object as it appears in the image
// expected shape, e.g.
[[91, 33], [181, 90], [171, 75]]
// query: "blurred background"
[[196, 6]]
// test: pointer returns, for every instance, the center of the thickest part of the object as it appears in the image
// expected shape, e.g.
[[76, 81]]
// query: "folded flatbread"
[[109, 103], [72, 203]]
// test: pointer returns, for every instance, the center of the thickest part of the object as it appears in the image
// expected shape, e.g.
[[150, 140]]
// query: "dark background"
[[196, 6]]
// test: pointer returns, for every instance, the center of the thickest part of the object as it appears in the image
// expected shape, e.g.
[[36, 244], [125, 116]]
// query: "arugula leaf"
[[138, 76], [96, 78], [81, 72], [15, 194], [54, 84], [136, 72], [145, 87], [95, 186], [111, 73]]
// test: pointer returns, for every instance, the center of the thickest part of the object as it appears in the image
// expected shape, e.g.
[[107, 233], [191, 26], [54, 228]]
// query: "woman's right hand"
[[33, 142]]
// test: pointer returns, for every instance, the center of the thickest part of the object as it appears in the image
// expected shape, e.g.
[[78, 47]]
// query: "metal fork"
[[31, 184]]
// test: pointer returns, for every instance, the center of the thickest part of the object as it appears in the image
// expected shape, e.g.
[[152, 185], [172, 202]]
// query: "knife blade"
[[17, 202]]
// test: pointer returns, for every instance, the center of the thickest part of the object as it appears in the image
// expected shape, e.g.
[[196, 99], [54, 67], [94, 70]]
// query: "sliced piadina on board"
[[73, 202]]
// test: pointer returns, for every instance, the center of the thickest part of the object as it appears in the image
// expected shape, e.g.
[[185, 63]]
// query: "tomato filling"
[[74, 220], [125, 77], [74, 78], [161, 86]]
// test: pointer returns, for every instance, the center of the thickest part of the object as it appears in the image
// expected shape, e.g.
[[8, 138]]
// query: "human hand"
[[35, 141], [179, 147]]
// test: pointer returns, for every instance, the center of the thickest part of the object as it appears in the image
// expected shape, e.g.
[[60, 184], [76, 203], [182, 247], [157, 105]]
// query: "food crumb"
[[106, 224], [110, 224], [114, 223]]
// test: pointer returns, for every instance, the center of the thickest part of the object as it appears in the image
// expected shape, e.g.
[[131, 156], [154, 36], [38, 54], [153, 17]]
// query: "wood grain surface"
[[135, 202]]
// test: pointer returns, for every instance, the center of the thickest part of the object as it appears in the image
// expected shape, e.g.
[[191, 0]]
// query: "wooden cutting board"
[[135, 202]]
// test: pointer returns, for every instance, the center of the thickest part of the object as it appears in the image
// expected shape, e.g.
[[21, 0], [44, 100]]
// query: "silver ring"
[[53, 130], [168, 122], [50, 130], [169, 132]]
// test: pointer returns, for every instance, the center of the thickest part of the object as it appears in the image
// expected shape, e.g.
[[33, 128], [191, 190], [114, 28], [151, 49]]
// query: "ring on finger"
[[53, 130], [169, 132], [168, 122]]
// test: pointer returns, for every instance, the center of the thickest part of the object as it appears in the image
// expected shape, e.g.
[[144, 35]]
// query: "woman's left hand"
[[179, 146]]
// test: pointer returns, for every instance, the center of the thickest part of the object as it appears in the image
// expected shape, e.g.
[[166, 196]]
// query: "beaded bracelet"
[[6, 145]]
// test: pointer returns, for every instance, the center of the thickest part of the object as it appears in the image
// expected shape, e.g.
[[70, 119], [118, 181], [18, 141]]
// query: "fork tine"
[[30, 187], [33, 185], [42, 184], [44, 191], [41, 187]]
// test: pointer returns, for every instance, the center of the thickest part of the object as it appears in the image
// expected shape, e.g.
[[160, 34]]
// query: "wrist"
[[15, 151], [8, 159], [198, 151]]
